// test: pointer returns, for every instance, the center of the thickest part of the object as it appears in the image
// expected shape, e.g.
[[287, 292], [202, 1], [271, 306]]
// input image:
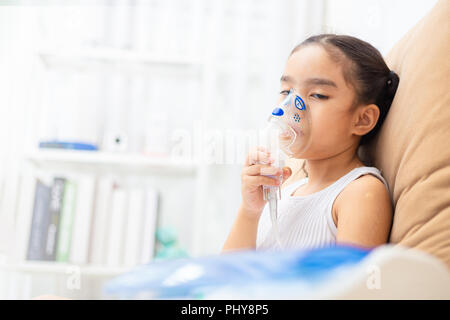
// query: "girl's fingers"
[[261, 169], [258, 155], [263, 149], [261, 181], [287, 172]]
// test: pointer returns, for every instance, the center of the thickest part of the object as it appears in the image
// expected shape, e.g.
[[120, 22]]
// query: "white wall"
[[380, 22]]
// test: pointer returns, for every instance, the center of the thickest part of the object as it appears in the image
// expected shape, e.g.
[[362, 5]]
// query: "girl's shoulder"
[[364, 193], [363, 211], [365, 185], [366, 182]]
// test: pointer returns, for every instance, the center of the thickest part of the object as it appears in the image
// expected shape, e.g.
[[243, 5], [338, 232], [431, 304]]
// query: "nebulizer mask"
[[284, 136]]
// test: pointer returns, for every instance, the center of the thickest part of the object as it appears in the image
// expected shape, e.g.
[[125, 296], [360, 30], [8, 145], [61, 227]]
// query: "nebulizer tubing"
[[280, 135], [273, 193]]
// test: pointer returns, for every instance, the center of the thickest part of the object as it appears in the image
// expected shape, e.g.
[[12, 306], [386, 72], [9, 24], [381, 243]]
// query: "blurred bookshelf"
[[115, 200], [192, 63], [99, 162], [48, 267], [112, 55]]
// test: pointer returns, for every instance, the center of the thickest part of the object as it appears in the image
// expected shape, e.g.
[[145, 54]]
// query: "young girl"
[[348, 89]]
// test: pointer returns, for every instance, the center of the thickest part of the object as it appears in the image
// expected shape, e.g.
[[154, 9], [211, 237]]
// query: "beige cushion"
[[413, 146]]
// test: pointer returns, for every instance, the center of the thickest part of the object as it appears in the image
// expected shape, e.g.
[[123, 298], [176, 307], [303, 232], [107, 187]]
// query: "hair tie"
[[390, 76]]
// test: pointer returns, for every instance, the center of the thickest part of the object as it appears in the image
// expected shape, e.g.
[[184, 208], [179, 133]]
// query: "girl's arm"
[[243, 232], [364, 213]]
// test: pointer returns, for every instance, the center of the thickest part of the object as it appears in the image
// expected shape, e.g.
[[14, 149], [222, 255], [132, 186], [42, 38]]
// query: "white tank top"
[[306, 221]]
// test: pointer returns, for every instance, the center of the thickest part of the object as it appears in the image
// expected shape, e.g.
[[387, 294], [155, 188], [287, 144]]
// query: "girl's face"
[[326, 130]]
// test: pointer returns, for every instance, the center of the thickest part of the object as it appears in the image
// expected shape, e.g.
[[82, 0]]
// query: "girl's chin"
[[286, 136], [299, 152]]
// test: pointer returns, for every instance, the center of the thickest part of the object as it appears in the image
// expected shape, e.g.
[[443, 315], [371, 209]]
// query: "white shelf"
[[113, 55], [48, 267], [104, 162]]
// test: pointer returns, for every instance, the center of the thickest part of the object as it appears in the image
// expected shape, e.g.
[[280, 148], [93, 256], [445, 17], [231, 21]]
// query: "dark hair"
[[367, 72]]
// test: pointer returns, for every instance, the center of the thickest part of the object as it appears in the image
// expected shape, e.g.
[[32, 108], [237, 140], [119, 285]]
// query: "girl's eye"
[[319, 96], [284, 92]]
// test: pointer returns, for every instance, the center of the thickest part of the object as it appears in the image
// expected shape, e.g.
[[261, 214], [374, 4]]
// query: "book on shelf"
[[24, 217], [40, 222], [116, 227], [82, 221], [56, 201], [56, 144], [150, 218], [99, 228], [134, 225], [45, 219], [66, 222], [123, 234]]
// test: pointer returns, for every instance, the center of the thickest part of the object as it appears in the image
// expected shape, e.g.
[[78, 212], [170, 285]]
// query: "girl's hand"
[[257, 166]]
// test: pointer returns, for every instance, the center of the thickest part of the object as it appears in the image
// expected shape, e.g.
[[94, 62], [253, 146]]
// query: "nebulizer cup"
[[284, 136]]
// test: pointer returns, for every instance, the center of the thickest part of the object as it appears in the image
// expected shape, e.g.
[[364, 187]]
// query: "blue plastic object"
[[191, 278], [67, 145], [277, 112], [299, 103]]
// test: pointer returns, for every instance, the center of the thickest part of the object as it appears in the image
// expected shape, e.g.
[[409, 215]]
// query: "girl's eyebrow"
[[320, 82], [311, 81], [285, 78]]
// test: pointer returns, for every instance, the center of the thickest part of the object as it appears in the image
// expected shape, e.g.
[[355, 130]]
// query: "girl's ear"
[[366, 118]]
